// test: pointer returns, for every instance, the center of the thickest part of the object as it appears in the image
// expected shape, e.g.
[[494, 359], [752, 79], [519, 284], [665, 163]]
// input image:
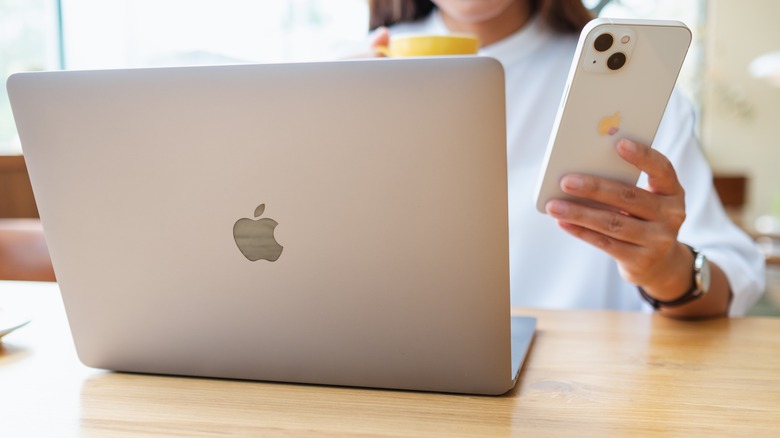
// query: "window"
[[28, 42], [141, 33], [93, 34]]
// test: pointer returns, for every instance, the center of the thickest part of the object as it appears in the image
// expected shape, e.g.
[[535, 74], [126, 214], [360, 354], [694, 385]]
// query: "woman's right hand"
[[377, 38]]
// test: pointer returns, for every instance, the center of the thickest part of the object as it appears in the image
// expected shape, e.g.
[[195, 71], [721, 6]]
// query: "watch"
[[700, 286]]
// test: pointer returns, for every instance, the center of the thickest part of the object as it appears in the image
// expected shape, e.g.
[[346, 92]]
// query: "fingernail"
[[573, 182], [627, 145], [557, 208]]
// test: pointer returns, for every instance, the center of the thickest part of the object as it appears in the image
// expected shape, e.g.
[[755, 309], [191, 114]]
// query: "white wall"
[[741, 114]]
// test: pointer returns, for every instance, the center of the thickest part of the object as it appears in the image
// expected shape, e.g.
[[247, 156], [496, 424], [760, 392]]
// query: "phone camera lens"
[[603, 42], [616, 61]]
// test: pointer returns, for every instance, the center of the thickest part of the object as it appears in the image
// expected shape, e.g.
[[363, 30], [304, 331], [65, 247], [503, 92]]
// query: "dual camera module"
[[604, 42]]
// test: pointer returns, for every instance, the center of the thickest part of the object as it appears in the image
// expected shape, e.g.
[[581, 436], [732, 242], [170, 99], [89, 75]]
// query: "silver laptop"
[[337, 223]]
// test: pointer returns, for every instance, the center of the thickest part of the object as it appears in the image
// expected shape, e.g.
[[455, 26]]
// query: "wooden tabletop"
[[589, 373]]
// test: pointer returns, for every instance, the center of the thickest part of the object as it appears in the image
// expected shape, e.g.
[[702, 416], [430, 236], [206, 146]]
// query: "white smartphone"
[[621, 77]]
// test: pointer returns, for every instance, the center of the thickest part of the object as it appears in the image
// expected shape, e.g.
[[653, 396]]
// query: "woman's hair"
[[567, 16]]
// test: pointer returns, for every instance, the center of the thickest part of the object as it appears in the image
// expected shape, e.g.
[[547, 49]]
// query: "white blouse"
[[550, 268]]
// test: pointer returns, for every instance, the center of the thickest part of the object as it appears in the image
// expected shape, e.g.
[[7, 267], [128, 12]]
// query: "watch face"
[[702, 267]]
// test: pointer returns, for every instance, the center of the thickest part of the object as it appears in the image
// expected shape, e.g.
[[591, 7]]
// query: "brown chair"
[[23, 251], [732, 191]]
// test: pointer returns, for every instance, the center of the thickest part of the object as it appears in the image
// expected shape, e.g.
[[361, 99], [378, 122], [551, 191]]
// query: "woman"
[[603, 259]]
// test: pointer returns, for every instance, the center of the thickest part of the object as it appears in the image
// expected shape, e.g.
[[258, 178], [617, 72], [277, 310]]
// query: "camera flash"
[[625, 39]]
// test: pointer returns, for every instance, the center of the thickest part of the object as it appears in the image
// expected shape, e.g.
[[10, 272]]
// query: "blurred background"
[[732, 73]]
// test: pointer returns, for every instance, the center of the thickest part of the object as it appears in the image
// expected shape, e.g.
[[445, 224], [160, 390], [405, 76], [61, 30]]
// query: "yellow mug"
[[429, 45]]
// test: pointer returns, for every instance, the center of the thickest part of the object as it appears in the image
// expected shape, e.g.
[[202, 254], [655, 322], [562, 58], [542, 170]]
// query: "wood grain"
[[589, 373]]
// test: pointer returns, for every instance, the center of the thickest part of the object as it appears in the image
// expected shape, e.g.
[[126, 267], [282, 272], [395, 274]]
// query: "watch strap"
[[691, 294]]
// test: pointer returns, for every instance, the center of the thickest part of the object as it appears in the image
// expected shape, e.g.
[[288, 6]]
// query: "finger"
[[618, 195], [380, 37], [617, 249], [607, 223], [661, 176], [632, 260]]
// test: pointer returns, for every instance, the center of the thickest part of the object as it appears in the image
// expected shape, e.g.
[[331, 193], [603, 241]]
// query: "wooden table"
[[589, 373]]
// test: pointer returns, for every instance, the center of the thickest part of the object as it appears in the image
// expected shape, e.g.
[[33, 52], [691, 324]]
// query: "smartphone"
[[620, 80]]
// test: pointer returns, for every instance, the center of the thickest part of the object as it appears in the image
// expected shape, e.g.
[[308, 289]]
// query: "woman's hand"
[[637, 227], [377, 38]]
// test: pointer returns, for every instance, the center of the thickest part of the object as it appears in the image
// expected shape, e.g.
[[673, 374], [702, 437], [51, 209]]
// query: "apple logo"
[[609, 125], [255, 238]]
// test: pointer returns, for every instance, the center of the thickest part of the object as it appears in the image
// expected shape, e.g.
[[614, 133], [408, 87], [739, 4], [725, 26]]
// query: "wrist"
[[674, 278], [699, 280]]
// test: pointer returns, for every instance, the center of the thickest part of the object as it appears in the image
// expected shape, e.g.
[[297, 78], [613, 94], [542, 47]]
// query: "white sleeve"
[[707, 227]]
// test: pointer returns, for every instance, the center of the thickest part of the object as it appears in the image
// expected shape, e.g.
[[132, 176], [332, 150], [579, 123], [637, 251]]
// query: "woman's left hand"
[[637, 227]]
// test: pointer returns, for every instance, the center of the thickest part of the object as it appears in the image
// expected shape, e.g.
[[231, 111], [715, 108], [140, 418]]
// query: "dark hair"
[[566, 16]]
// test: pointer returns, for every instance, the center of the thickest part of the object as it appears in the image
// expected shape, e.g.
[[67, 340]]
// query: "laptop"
[[338, 223]]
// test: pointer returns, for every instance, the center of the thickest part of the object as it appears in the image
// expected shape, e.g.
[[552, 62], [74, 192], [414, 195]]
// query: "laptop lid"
[[338, 223]]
